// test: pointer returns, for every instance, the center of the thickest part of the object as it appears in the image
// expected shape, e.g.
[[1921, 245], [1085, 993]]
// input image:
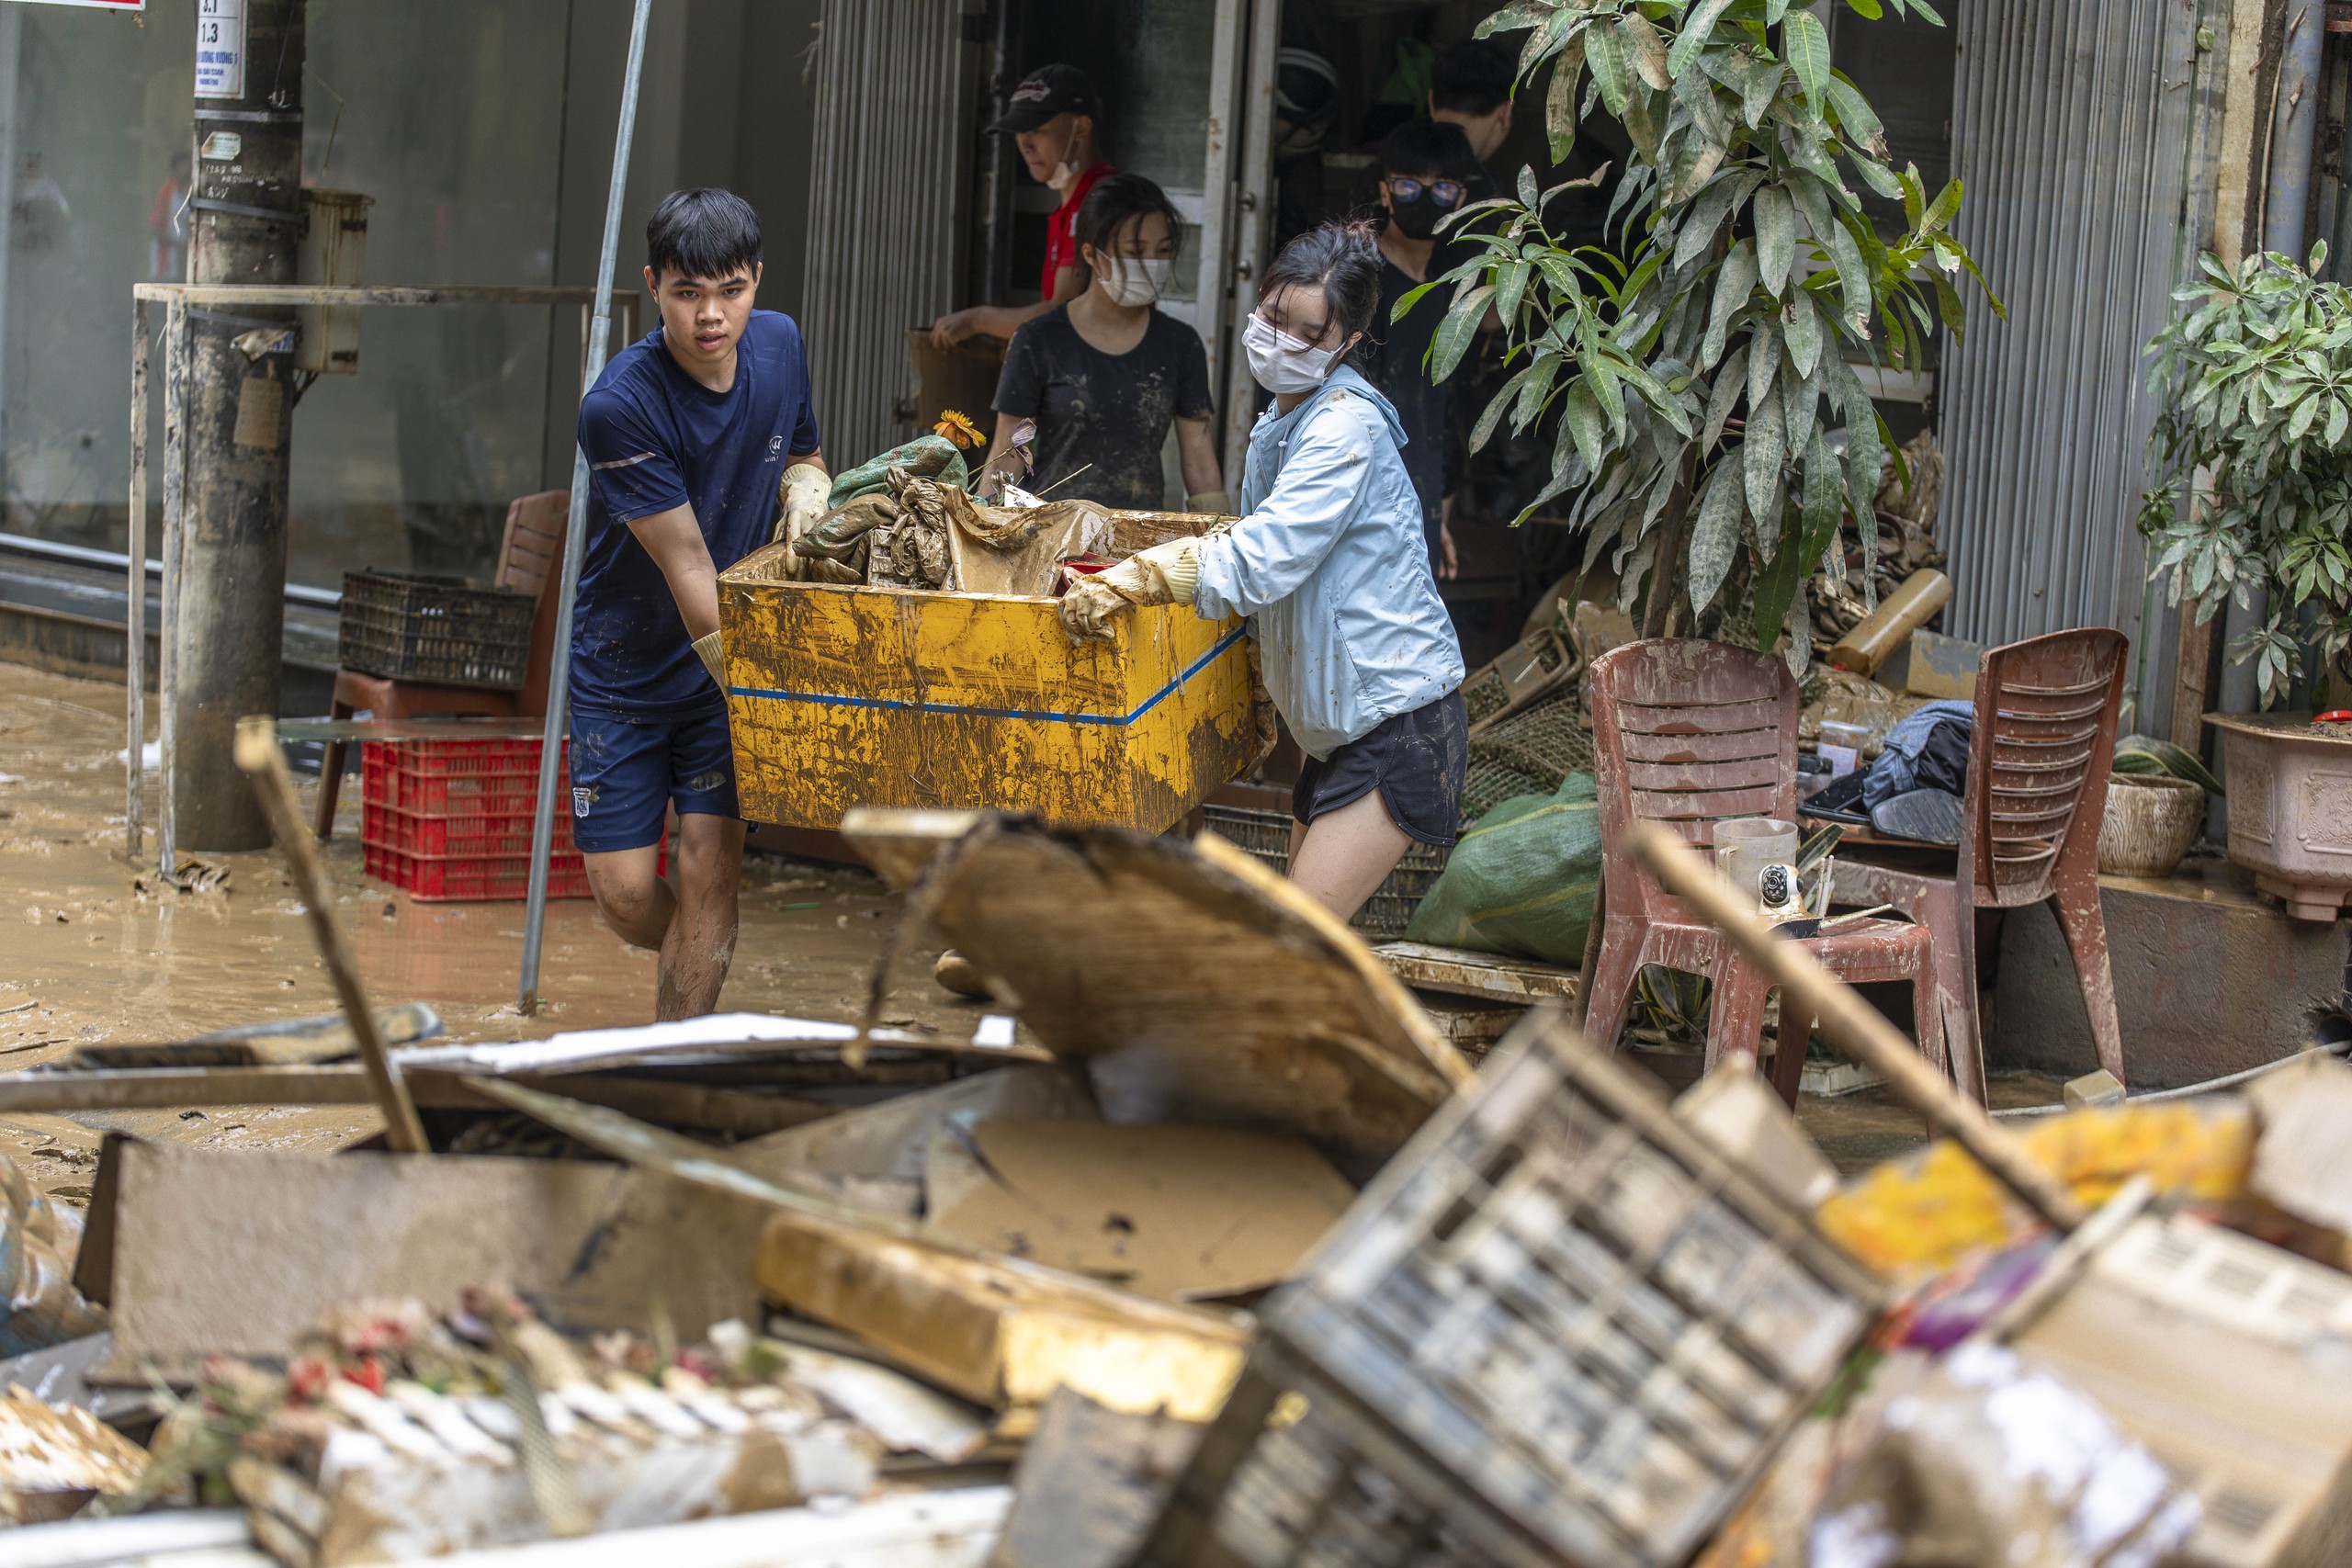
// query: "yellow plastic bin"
[[844, 697]]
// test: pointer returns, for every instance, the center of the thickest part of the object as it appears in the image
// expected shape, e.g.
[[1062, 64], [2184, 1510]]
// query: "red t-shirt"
[[1061, 246]]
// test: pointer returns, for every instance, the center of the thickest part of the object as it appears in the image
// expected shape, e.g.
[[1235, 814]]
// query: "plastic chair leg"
[[2083, 924], [331, 778], [1736, 1021], [1928, 1024], [1613, 982], [1788, 1051]]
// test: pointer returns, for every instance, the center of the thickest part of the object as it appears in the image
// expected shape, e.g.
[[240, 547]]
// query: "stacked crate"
[[450, 819]]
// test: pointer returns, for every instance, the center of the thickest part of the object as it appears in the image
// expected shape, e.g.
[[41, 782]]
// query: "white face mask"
[[1067, 171], [1134, 281], [1280, 362]]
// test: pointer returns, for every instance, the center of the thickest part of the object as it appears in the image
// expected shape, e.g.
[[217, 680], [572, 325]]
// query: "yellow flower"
[[960, 430]]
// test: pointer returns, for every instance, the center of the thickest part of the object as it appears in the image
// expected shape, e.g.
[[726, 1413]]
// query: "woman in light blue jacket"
[[1330, 564]]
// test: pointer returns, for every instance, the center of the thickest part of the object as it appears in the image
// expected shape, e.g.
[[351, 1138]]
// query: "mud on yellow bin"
[[844, 697]]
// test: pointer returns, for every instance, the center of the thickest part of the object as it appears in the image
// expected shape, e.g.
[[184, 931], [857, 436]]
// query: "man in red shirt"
[[1053, 117]]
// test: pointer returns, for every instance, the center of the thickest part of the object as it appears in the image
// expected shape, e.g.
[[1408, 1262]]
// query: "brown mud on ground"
[[87, 957]]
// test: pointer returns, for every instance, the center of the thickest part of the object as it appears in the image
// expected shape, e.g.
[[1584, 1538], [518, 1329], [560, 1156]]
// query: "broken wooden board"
[[1462, 973], [203, 1251], [284, 1042], [1193, 984], [1000, 1332], [715, 1038], [1090, 1485], [53, 1458], [1177, 1213]]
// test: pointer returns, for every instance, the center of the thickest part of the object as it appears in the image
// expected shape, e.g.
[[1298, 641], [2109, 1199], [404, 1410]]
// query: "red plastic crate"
[[452, 878], [453, 777], [489, 835]]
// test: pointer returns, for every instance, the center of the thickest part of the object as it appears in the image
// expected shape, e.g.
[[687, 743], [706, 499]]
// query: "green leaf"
[[1560, 101], [1412, 298], [1801, 329], [1730, 381], [1800, 397], [1805, 45], [1763, 362], [1758, 87], [1735, 285], [1776, 239], [1547, 39], [1776, 585], [1580, 417], [1868, 8], [1940, 211], [1714, 536], [1511, 285], [1645, 50], [1455, 333], [1698, 28], [1762, 453], [1604, 56], [1824, 506], [1511, 17], [1774, 11]]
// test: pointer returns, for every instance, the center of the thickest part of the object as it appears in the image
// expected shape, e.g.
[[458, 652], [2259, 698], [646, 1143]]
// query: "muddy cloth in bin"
[[924, 458], [1521, 882]]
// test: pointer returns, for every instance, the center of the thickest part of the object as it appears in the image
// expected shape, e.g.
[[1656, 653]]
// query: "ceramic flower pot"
[[2151, 820], [2291, 808]]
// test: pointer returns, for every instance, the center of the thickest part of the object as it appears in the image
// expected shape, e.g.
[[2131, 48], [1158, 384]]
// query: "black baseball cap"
[[1045, 91]]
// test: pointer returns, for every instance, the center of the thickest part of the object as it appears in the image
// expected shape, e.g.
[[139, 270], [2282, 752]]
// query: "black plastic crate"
[[409, 626], [1266, 834], [1555, 1329]]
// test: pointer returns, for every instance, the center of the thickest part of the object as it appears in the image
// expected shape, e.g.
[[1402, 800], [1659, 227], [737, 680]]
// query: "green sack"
[[1521, 881], [924, 458]]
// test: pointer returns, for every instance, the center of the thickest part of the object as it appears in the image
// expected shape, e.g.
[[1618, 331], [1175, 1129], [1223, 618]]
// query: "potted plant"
[[2252, 458]]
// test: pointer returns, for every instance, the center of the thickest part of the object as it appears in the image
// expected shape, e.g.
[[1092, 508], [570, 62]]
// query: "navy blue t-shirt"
[[656, 439]]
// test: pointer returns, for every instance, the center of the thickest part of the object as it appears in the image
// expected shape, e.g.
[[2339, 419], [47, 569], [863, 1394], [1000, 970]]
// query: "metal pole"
[[575, 537], [134, 652], [167, 672], [244, 226]]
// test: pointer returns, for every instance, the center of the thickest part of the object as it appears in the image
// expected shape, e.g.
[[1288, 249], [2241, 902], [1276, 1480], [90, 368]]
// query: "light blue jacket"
[[1330, 564]]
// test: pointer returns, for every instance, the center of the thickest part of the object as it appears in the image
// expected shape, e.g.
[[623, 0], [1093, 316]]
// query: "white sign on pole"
[[220, 49]]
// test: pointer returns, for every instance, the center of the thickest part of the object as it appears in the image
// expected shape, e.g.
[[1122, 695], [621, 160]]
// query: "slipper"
[[1926, 816]]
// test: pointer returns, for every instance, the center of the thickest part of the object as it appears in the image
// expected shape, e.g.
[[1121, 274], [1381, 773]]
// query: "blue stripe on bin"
[[823, 699]]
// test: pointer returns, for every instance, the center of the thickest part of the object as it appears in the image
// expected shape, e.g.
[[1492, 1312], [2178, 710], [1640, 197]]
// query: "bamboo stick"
[[258, 755]]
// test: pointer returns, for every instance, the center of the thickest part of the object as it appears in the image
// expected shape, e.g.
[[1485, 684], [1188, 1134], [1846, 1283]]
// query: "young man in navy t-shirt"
[[694, 435]]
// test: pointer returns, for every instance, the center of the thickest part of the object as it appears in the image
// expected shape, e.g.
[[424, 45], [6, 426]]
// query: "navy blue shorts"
[[627, 771], [1418, 761]]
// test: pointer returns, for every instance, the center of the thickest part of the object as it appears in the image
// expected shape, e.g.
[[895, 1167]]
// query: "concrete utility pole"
[[246, 224]]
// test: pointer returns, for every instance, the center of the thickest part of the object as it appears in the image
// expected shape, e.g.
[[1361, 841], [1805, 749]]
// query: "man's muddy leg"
[[700, 942]]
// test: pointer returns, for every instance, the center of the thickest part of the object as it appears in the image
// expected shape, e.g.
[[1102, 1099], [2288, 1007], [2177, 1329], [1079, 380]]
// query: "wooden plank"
[[1464, 973]]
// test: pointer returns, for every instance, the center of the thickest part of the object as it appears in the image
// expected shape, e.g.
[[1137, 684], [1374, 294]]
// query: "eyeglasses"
[[1445, 193]]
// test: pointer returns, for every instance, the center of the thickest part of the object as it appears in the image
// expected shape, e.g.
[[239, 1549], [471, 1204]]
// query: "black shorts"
[[1417, 760]]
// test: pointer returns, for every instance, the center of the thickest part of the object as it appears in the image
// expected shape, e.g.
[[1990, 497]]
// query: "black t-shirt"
[[1106, 414], [1402, 371]]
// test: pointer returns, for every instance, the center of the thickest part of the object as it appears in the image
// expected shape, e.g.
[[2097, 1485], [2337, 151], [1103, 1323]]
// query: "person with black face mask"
[[1427, 169]]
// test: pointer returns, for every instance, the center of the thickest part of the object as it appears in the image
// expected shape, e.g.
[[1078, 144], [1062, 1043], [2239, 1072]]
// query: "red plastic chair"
[[2029, 828], [1686, 733], [530, 560]]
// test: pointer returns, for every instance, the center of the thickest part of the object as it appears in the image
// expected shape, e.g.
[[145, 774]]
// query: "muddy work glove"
[[1164, 574], [1213, 502], [713, 656], [800, 497]]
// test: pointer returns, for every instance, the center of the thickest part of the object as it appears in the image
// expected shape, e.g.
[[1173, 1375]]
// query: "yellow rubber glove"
[[1087, 607], [1164, 574], [713, 656], [1215, 503], [801, 496]]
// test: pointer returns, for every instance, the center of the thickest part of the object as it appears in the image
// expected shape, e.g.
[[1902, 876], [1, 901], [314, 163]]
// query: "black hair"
[[1474, 77], [1342, 259], [708, 233], [1429, 149], [1118, 201]]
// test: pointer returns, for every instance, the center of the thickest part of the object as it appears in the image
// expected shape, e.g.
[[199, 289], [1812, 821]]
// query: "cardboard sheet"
[[1181, 1213]]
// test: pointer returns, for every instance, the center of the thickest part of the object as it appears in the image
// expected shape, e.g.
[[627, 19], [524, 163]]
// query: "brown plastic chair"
[[1687, 733], [530, 559], [2038, 766]]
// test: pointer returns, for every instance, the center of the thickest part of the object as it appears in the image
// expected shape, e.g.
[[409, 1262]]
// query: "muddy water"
[[87, 954]]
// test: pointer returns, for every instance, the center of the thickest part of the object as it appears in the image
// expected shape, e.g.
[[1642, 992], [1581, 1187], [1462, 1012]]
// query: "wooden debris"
[[1486, 975]]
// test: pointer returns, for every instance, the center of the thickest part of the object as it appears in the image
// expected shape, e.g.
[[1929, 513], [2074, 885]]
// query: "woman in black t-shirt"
[[1106, 375]]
